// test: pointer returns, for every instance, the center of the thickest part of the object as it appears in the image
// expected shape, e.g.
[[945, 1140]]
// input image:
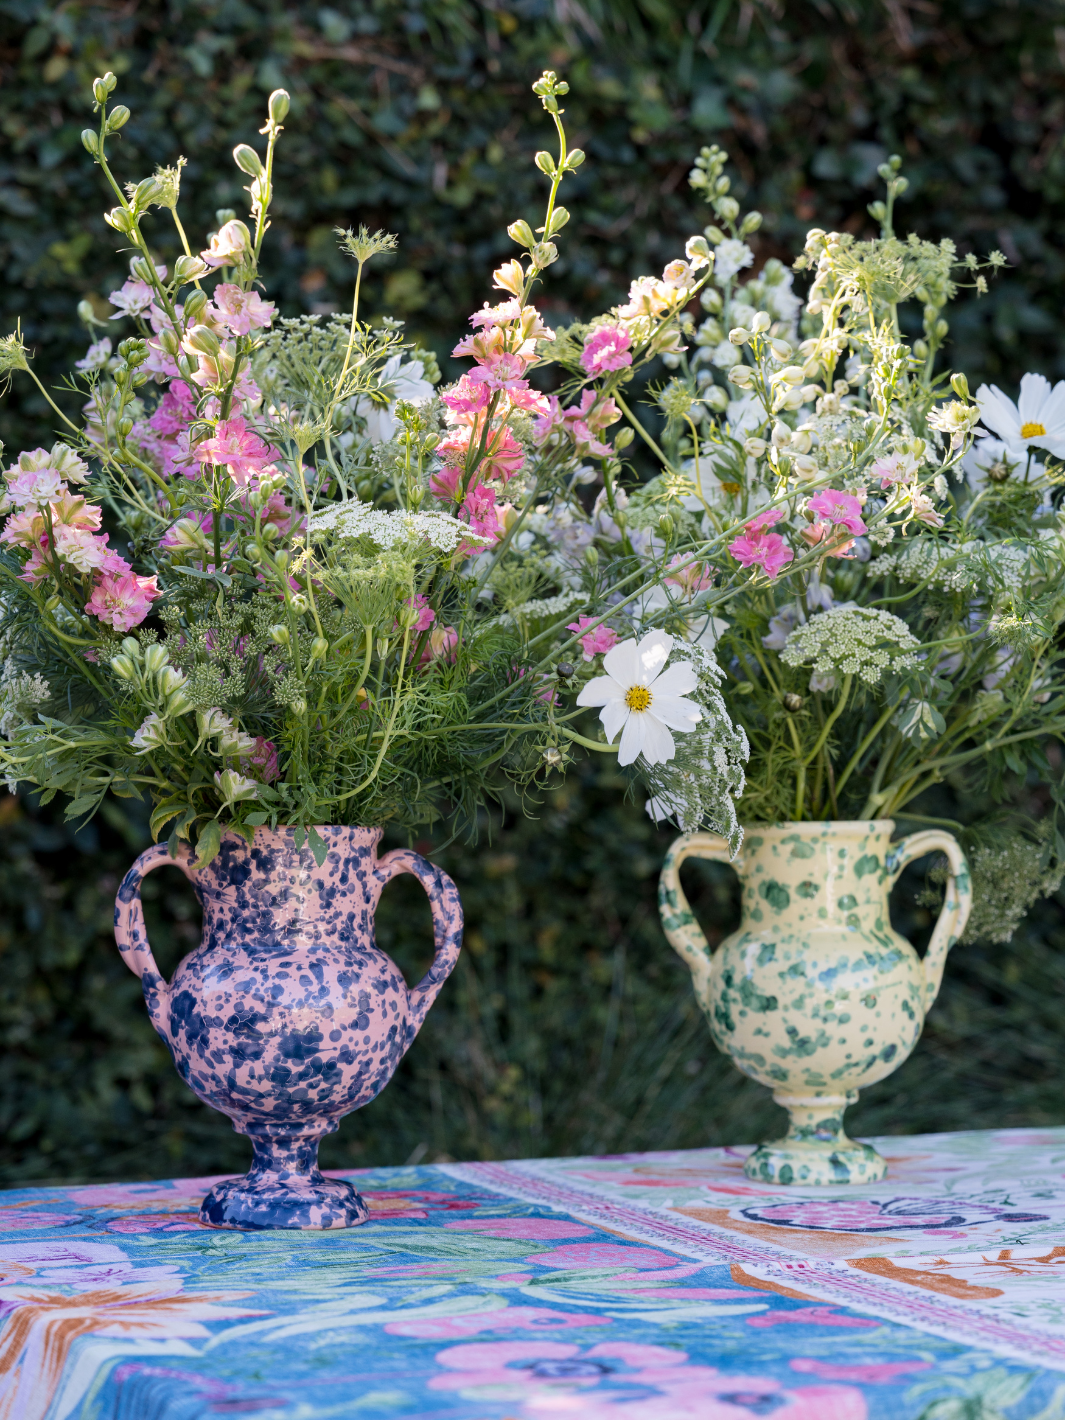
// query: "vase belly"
[[815, 996]]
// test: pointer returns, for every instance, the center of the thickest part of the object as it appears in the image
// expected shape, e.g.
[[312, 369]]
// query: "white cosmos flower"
[[643, 699], [991, 458], [1037, 418], [400, 381]]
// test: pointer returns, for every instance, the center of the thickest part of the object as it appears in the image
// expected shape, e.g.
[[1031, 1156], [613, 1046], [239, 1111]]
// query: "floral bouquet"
[[275, 575]]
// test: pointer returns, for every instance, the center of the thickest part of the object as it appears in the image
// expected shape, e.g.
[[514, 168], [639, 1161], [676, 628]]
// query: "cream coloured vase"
[[815, 995]]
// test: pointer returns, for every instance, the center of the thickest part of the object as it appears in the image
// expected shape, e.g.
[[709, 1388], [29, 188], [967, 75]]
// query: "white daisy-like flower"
[[991, 459], [400, 381], [643, 699], [1037, 418]]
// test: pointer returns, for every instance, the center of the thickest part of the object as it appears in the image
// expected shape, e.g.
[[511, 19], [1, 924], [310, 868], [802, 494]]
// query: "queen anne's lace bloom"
[[390, 529], [861, 641]]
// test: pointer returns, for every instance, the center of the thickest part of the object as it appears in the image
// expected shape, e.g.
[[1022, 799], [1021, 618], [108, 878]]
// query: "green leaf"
[[86, 805], [318, 846], [208, 843], [256, 819]]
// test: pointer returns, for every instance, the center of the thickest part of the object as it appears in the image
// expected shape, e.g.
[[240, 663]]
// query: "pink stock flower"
[[228, 245], [122, 601], [759, 549], [690, 577], [242, 311], [596, 642], [466, 399], [262, 762], [843, 509], [606, 349], [237, 447]]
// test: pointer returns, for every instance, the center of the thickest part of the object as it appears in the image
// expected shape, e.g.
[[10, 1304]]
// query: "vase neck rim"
[[837, 828]]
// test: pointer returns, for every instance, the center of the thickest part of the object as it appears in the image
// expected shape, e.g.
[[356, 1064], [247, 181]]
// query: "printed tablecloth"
[[637, 1287]]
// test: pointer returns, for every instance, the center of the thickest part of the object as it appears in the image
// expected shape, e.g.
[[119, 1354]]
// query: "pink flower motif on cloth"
[[595, 642], [242, 311], [237, 447], [508, 1319], [843, 509], [156, 1223], [809, 1316], [607, 348], [122, 600], [650, 1383], [876, 1373], [15, 1220], [581, 1255], [871, 1215]]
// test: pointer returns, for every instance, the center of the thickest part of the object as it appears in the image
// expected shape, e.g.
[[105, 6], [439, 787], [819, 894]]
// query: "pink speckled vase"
[[287, 1017]]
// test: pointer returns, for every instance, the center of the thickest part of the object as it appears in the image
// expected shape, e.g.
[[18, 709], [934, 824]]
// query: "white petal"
[[675, 680], [623, 664], [998, 413], [653, 651], [1054, 443], [1035, 392], [613, 717], [601, 691], [677, 713], [645, 734]]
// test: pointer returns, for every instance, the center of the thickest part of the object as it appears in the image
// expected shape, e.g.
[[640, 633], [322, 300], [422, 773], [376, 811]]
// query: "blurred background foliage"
[[569, 1026]]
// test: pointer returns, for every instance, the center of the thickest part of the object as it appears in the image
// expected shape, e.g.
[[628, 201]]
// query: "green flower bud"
[[131, 647], [203, 339], [189, 268], [102, 88], [545, 163], [544, 254], [623, 439], [125, 428], [86, 313], [122, 220], [195, 301], [960, 385], [319, 648], [727, 208], [521, 233], [117, 118], [280, 635], [123, 667], [53, 601], [155, 658], [247, 159], [278, 106], [574, 159], [90, 141]]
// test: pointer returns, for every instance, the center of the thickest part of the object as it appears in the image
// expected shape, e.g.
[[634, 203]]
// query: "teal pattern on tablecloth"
[[648, 1287]]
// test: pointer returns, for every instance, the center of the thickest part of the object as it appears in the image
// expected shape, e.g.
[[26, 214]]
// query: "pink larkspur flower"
[[242, 311], [39, 485], [444, 484], [503, 456], [441, 645], [479, 507], [426, 615], [122, 601], [466, 399], [228, 245], [134, 296], [595, 642], [237, 447], [504, 371], [762, 522], [690, 577], [607, 348], [766, 550], [843, 509]]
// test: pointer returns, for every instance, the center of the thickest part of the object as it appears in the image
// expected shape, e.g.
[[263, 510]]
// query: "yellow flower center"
[[638, 697], [1032, 431]]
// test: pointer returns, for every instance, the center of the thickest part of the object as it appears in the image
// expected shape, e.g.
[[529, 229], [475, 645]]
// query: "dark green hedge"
[[569, 1025]]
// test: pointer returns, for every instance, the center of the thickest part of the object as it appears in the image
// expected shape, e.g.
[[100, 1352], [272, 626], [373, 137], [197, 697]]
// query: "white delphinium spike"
[[643, 699]]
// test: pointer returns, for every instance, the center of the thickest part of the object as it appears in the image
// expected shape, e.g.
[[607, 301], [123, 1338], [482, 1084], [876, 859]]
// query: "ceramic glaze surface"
[[816, 996], [287, 1016]]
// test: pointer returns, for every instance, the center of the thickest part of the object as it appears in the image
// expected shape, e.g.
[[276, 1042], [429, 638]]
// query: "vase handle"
[[447, 925], [131, 934], [685, 935], [957, 902]]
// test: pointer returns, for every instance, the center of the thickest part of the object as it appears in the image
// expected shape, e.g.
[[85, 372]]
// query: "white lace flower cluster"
[[960, 567], [20, 693], [699, 788], [390, 529], [859, 640]]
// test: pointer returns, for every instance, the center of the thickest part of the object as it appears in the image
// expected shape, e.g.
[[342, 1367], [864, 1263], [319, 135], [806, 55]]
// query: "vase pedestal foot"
[[284, 1188], [815, 1151]]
